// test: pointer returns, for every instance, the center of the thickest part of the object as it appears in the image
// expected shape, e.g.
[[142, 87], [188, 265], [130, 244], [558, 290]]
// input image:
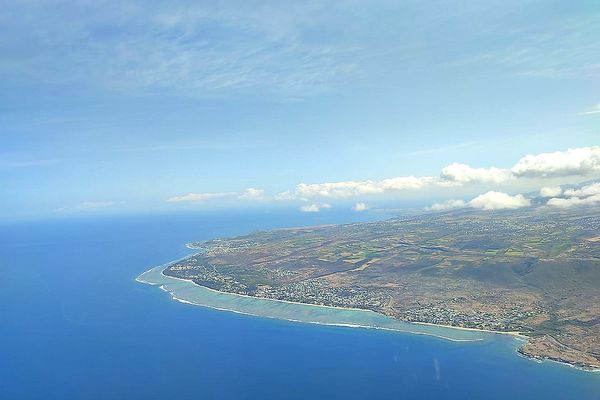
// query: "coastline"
[[190, 246], [515, 335], [540, 359], [338, 324], [343, 325]]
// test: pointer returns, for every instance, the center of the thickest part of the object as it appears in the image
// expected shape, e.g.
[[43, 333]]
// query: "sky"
[[136, 106]]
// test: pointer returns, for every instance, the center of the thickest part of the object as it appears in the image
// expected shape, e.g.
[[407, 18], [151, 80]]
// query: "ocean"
[[75, 324]]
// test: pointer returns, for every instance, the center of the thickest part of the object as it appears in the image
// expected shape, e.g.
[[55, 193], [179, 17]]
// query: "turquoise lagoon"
[[188, 292]]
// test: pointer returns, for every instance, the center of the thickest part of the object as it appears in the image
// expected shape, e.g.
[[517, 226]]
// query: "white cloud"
[[550, 191], [253, 194], [196, 197], [360, 206], [487, 201], [358, 188], [462, 173], [448, 205], [287, 195], [596, 111], [588, 190], [579, 161], [406, 182], [314, 207], [587, 195], [574, 201], [498, 201]]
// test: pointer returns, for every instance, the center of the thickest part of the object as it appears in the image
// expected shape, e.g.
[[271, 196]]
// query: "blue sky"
[[108, 107]]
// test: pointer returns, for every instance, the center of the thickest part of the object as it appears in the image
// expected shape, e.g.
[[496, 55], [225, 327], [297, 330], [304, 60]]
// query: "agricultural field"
[[534, 272]]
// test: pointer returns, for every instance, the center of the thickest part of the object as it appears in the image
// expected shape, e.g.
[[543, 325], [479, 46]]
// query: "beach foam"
[[190, 293]]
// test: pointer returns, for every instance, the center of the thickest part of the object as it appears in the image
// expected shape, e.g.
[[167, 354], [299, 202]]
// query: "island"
[[534, 272]]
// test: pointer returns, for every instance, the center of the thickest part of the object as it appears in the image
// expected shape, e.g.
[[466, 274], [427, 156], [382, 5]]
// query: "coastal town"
[[536, 273]]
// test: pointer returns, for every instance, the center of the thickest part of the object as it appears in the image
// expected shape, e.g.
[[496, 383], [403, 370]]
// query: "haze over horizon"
[[316, 106]]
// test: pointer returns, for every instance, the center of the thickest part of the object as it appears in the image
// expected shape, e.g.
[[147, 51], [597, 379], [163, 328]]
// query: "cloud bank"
[[463, 174], [250, 193], [491, 200], [499, 201], [585, 191], [587, 195], [532, 168], [338, 190], [550, 191], [583, 161], [448, 205]]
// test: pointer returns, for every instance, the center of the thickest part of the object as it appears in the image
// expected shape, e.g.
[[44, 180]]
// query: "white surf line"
[[458, 328], [338, 324], [185, 301], [163, 266], [516, 335]]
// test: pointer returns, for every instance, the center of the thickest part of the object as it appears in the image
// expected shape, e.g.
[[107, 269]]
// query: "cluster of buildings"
[[506, 320], [206, 276], [318, 291], [312, 291]]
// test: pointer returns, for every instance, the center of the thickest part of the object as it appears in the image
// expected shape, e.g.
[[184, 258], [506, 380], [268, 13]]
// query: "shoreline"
[[540, 359], [515, 335], [341, 324], [190, 246]]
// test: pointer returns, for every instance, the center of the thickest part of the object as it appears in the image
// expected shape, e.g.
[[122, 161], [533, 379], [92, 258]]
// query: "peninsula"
[[536, 272]]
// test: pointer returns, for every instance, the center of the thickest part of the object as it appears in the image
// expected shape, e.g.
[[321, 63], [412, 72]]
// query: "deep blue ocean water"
[[74, 324]]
